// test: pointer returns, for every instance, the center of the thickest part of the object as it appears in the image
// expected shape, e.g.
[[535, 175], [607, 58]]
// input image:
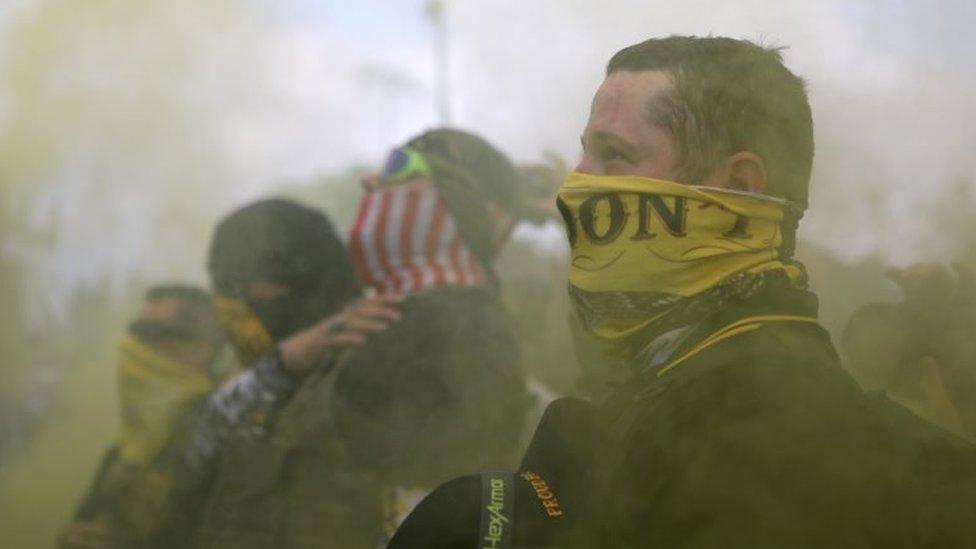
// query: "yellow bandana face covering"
[[639, 246], [244, 329], [154, 390]]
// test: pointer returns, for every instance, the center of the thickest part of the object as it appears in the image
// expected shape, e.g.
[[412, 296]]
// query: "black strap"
[[497, 511]]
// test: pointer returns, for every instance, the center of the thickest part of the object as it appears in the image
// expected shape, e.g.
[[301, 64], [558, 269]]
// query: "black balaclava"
[[286, 243]]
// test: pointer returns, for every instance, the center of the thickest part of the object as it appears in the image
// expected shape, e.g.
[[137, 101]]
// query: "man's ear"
[[747, 172], [742, 171]]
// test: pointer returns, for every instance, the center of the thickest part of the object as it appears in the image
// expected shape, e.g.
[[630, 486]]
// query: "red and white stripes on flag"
[[405, 240]]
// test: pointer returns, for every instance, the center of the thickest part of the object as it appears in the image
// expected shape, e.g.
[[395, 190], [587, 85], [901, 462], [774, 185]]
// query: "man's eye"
[[611, 155]]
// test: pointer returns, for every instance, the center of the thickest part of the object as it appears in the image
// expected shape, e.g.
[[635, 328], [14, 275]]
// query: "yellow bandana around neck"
[[639, 244], [154, 391], [244, 329]]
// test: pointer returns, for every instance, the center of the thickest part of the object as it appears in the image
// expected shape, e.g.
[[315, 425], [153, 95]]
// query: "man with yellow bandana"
[[166, 369], [727, 418]]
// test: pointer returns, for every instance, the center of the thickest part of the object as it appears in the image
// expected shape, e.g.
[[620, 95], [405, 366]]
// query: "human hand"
[[924, 282], [542, 183], [352, 327]]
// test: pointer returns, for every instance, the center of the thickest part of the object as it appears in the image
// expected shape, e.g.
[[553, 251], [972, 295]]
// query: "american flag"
[[405, 240]]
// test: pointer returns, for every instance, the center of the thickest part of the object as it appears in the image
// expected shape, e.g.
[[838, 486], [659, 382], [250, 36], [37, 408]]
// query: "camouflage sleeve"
[[238, 409]]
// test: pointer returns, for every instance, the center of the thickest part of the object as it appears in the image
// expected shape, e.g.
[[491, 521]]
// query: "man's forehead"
[[627, 91], [162, 309], [619, 111]]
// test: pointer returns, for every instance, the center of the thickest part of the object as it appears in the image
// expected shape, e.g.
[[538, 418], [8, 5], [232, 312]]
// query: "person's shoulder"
[[747, 375], [793, 361], [796, 339], [750, 344]]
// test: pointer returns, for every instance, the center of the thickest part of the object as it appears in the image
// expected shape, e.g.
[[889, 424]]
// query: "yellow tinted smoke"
[[114, 118]]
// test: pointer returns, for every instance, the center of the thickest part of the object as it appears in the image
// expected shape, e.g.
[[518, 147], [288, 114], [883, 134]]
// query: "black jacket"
[[441, 393], [761, 439]]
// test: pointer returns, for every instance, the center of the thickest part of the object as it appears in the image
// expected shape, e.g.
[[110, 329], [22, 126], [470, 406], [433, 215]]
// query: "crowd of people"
[[377, 396]]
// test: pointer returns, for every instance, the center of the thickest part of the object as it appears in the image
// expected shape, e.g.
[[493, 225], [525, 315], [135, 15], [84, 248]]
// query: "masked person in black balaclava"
[[266, 466], [443, 391]]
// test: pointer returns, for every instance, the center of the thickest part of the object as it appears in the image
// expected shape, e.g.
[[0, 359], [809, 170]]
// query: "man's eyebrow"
[[612, 140]]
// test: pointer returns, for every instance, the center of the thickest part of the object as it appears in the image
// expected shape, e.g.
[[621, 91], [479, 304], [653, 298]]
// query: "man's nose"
[[589, 166]]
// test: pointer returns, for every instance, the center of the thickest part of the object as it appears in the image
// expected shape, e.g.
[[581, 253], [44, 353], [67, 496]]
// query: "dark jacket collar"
[[777, 297]]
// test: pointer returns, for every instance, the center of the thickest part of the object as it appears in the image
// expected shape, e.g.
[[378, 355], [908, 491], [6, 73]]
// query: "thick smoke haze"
[[128, 127], [115, 132]]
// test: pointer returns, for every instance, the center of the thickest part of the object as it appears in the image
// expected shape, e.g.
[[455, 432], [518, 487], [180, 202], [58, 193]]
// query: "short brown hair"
[[729, 96]]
